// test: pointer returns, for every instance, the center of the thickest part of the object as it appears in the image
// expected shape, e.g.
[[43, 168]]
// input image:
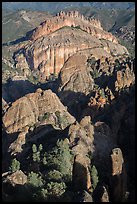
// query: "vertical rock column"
[[118, 180], [81, 174]]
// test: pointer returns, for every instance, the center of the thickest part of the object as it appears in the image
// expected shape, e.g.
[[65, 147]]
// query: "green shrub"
[[95, 74], [44, 193], [91, 61], [102, 93], [36, 152], [15, 165], [56, 189], [54, 175], [77, 27], [62, 120], [53, 191], [94, 177], [46, 116], [35, 179], [44, 159], [40, 148], [34, 148]]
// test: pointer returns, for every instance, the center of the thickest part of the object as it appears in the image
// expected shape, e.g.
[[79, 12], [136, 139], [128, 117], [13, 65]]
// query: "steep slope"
[[58, 38]]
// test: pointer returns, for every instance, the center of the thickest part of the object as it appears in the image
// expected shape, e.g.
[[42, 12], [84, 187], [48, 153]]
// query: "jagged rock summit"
[[59, 37]]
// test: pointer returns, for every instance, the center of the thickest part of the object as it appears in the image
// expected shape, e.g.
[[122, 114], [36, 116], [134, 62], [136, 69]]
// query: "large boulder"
[[43, 107], [17, 178]]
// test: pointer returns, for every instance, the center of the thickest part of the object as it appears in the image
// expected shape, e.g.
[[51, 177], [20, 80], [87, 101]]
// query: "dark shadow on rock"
[[45, 135], [13, 90], [105, 80], [18, 193], [7, 139], [99, 191], [75, 102], [79, 179]]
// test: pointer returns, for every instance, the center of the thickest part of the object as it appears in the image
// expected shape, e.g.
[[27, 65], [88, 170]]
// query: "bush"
[[54, 175], [56, 189], [46, 116], [91, 61], [62, 120], [77, 27], [36, 152], [40, 148], [15, 165], [94, 177], [102, 93], [53, 191], [95, 74], [35, 179], [44, 193], [44, 159]]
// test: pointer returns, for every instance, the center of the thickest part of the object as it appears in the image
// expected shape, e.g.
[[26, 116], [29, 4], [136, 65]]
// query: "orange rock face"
[[91, 26], [58, 38], [74, 19], [25, 111]]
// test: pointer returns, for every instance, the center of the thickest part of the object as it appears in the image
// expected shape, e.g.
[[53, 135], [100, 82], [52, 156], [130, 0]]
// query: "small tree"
[[40, 148], [60, 158], [95, 74], [35, 179], [34, 148], [102, 93], [15, 165], [44, 159], [56, 189], [54, 175], [94, 177], [36, 152]]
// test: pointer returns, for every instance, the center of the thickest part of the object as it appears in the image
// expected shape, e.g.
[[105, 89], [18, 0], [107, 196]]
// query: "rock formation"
[[58, 38], [124, 78], [81, 137], [44, 106], [118, 181], [74, 19], [75, 75], [81, 175], [86, 197], [16, 146], [17, 178]]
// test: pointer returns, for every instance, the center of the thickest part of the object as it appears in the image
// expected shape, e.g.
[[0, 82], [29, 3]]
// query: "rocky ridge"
[[59, 37]]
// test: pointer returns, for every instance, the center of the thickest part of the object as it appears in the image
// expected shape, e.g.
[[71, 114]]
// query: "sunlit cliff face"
[[58, 38]]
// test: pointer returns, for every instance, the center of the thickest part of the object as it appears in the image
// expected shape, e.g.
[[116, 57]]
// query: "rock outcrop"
[[86, 197], [16, 146], [17, 178], [81, 175], [75, 75], [124, 78], [81, 137], [118, 181], [42, 106], [74, 19], [58, 38]]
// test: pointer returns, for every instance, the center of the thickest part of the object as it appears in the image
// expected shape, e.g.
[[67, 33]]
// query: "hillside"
[[57, 6], [68, 104]]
